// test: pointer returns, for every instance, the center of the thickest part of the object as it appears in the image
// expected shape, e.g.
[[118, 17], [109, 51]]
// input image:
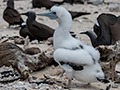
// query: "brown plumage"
[[74, 1], [37, 30], [77, 14], [108, 26], [44, 3], [24, 32], [107, 32], [115, 31], [48, 4], [11, 15]]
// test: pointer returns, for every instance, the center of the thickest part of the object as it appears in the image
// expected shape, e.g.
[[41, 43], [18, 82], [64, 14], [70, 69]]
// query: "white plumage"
[[79, 61]]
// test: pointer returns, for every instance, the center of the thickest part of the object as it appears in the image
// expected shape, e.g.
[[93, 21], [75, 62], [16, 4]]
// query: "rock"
[[114, 7]]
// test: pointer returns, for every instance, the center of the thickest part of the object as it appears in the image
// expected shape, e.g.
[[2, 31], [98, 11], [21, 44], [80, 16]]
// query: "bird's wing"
[[105, 20], [96, 29], [72, 59], [42, 26], [95, 55], [115, 31], [44, 30], [77, 14], [12, 12], [13, 15]]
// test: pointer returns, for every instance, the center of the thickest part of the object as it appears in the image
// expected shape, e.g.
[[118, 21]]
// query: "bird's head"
[[90, 33], [29, 14], [86, 32], [10, 3], [57, 12]]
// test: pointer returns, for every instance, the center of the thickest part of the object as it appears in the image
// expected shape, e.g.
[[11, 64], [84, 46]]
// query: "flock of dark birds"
[[105, 32], [32, 28]]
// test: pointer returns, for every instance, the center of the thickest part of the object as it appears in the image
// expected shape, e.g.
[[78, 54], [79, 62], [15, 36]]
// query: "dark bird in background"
[[106, 32], [44, 3], [115, 31], [11, 15], [78, 14], [48, 4], [37, 30], [24, 32], [74, 1]]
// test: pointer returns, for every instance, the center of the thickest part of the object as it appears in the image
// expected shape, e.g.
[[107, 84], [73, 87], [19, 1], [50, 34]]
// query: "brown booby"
[[37, 30], [44, 3], [24, 32], [48, 4], [74, 1], [75, 14], [115, 31], [11, 15], [104, 31]]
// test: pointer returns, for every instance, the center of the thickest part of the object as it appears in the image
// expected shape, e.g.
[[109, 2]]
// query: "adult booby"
[[75, 14], [48, 4], [44, 3], [79, 61], [74, 1], [11, 15], [104, 31], [115, 31], [37, 30]]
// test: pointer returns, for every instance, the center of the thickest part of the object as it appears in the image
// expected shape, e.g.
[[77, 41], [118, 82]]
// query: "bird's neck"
[[10, 4], [92, 36], [62, 32], [30, 19]]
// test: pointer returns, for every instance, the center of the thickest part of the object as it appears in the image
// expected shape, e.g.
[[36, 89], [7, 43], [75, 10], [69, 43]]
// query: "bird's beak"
[[50, 14], [82, 32], [103, 80], [23, 14]]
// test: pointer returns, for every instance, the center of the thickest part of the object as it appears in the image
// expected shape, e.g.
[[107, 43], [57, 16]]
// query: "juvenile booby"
[[11, 15], [79, 61], [104, 31], [37, 30]]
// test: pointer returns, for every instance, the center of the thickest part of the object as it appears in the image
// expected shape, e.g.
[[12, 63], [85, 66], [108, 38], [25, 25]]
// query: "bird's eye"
[[98, 71], [54, 12]]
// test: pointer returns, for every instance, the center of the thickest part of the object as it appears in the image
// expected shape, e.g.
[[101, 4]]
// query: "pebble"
[[96, 2], [114, 85]]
